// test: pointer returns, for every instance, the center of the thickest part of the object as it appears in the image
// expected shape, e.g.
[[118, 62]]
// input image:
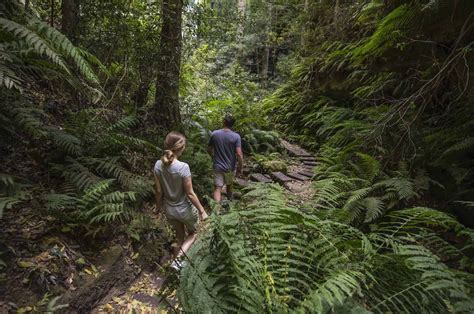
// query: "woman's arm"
[[158, 193], [188, 189]]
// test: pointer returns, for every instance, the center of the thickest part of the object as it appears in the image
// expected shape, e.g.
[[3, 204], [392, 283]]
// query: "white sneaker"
[[177, 265]]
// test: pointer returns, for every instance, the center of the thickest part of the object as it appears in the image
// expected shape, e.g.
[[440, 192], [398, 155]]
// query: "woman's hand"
[[203, 215]]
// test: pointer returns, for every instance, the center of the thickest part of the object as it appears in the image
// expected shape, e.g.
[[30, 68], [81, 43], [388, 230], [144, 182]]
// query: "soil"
[[114, 274]]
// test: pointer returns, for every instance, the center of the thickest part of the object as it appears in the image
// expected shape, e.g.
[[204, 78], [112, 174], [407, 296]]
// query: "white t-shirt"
[[171, 180]]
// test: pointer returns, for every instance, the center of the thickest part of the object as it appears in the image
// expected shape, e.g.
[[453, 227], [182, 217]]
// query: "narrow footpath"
[[151, 291]]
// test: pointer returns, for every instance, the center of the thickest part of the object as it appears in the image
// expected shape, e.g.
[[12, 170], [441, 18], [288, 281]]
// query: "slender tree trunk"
[[70, 10], [141, 94], [305, 28], [241, 4], [337, 13], [167, 112], [51, 19], [266, 54]]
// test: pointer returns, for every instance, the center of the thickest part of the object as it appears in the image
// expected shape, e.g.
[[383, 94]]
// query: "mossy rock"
[[275, 165]]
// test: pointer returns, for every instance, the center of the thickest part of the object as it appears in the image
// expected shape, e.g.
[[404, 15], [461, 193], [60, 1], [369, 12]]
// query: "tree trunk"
[[305, 25], [141, 94], [266, 54], [337, 13], [51, 19], [241, 4], [70, 19], [167, 113]]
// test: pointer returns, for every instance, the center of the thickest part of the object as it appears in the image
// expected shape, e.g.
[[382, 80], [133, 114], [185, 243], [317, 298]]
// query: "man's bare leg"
[[229, 191], [217, 193]]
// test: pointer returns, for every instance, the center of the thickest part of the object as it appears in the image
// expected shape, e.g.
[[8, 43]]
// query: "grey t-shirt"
[[224, 142], [171, 180]]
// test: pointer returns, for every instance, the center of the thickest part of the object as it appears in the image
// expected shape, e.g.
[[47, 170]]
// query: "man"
[[226, 150]]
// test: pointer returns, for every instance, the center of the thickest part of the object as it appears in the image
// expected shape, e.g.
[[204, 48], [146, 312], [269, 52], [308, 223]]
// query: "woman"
[[175, 194]]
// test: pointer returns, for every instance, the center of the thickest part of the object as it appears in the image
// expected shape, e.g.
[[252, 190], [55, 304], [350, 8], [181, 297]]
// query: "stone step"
[[281, 177], [294, 150], [260, 178], [242, 182], [313, 159], [310, 163], [306, 173], [298, 176], [246, 170], [297, 152]]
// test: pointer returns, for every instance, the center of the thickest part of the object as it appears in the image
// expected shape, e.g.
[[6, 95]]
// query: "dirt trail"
[[149, 292]]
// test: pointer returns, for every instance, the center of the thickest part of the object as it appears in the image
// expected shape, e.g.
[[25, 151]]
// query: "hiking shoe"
[[177, 265]]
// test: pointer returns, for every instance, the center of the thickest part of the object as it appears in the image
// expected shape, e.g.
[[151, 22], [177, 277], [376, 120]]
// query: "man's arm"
[[210, 146], [240, 160]]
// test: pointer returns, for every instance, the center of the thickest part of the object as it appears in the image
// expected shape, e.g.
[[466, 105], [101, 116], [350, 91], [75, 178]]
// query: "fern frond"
[[123, 124], [33, 40], [68, 142], [12, 192], [62, 44]]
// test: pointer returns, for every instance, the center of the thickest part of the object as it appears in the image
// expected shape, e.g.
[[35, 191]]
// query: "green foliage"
[[33, 48], [369, 90], [261, 141], [267, 256], [100, 203], [389, 34], [270, 162], [12, 192]]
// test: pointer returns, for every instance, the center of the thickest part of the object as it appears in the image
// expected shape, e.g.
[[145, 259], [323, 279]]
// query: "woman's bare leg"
[[179, 228], [187, 243]]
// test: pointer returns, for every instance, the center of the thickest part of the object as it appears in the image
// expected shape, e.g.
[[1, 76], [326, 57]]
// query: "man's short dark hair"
[[229, 121]]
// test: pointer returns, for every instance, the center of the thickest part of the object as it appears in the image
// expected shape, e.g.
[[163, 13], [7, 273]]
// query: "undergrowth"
[[267, 256]]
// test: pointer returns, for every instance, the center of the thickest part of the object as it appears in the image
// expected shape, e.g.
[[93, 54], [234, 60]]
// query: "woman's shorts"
[[189, 218]]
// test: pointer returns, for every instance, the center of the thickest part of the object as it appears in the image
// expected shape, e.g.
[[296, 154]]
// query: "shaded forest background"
[[381, 91]]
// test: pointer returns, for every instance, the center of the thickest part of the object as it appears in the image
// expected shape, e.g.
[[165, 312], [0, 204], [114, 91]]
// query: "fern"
[[266, 256], [62, 44], [123, 124], [12, 192], [33, 40], [68, 142], [388, 32]]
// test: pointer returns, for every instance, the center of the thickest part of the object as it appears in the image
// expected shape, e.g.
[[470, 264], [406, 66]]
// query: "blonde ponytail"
[[168, 157], [174, 145]]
